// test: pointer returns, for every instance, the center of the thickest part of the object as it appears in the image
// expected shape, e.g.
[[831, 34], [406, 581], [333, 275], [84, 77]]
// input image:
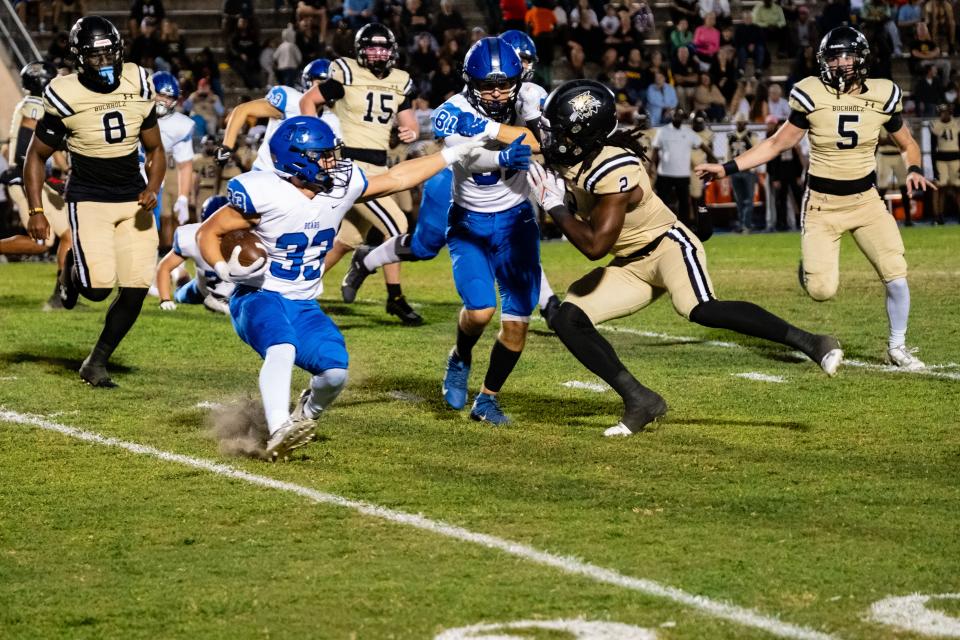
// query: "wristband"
[[911, 169], [730, 167], [35, 211]]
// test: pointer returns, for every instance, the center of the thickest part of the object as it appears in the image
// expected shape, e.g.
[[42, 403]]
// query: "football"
[[247, 240]]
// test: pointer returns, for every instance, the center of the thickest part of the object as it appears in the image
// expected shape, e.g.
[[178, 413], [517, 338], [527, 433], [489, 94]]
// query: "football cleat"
[[292, 434], [639, 412], [68, 290], [455, 381], [902, 356], [549, 310], [828, 354], [486, 408], [95, 374], [54, 302], [399, 307], [300, 410], [356, 274]]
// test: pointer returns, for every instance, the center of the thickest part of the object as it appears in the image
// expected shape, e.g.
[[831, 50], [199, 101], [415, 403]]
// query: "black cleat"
[[800, 276], [67, 289], [356, 274], [549, 311], [54, 303], [398, 307], [95, 374], [638, 414], [827, 353]]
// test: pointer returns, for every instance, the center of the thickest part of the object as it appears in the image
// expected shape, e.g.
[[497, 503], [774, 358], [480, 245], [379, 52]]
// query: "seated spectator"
[[685, 9], [835, 13], [641, 17], [449, 23], [66, 12], [585, 29], [661, 100], [59, 51], [805, 65], [627, 99], [233, 10], [140, 9], [454, 52], [243, 53], [316, 10], [414, 16], [514, 14], [609, 63], [802, 32], [147, 50], [938, 14], [445, 82], [924, 52], [175, 46], [769, 17], [204, 65], [707, 98], [423, 60], [357, 12], [287, 58], [634, 68], [719, 8], [776, 104], [681, 36], [686, 75], [750, 42], [205, 104], [309, 43], [724, 73], [706, 39], [928, 93], [878, 18], [909, 14]]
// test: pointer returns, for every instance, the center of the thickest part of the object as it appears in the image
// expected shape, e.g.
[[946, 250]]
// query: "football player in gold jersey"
[[34, 77], [614, 210], [945, 139], [102, 113], [368, 93], [843, 111]]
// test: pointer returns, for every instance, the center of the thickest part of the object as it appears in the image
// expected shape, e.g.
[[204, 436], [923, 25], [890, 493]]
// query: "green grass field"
[[804, 501]]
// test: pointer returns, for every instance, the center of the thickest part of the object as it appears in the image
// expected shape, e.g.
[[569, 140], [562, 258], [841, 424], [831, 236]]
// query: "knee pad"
[[330, 379], [705, 313], [820, 289], [570, 317]]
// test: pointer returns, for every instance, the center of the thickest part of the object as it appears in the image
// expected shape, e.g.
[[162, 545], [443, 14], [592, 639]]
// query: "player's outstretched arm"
[[256, 108], [319, 95], [785, 138], [34, 174], [170, 262], [155, 165], [408, 126], [410, 173], [910, 151], [469, 126]]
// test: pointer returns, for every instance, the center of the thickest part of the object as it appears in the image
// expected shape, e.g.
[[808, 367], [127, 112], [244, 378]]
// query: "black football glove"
[[223, 154]]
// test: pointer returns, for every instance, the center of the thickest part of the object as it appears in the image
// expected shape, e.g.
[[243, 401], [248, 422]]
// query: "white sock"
[[545, 291], [325, 388], [898, 310], [275, 377], [386, 253]]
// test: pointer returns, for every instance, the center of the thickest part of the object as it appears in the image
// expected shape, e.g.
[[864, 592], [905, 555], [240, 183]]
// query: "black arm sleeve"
[[51, 131], [406, 104], [799, 119], [331, 90], [894, 124], [151, 120]]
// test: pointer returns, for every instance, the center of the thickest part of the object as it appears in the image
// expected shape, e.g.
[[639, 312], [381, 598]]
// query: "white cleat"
[[294, 433], [902, 357], [831, 362], [617, 431]]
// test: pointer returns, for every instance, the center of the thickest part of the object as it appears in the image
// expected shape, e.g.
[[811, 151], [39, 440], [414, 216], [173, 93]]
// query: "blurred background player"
[[295, 210], [209, 175], [367, 94], [944, 138], [892, 173], [103, 113], [34, 77], [176, 131], [205, 288]]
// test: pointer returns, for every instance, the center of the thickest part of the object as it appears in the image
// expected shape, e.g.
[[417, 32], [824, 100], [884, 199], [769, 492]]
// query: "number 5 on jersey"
[[845, 129]]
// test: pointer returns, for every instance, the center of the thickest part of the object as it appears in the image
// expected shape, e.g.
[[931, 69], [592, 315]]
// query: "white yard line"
[[759, 377], [586, 386], [208, 405], [715, 608]]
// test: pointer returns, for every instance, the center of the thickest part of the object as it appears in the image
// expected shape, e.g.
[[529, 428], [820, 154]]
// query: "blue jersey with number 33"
[[296, 231]]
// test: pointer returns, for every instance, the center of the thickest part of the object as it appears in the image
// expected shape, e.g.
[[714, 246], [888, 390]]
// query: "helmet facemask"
[[842, 70], [166, 104], [322, 170], [558, 147], [102, 66], [495, 96]]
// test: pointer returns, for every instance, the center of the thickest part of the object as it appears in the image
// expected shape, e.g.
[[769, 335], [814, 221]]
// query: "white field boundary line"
[[566, 564]]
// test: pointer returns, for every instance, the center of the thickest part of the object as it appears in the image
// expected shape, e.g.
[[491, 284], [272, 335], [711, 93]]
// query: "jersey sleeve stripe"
[[604, 169], [57, 102], [347, 74], [800, 96], [408, 89], [894, 99], [145, 92]]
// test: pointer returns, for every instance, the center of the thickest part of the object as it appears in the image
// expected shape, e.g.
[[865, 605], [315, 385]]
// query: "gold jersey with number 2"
[[844, 128], [369, 104]]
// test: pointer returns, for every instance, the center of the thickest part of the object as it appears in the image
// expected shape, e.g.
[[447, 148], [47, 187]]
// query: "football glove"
[[516, 156], [455, 154], [469, 125], [232, 271], [168, 305], [223, 154], [182, 208], [547, 187]]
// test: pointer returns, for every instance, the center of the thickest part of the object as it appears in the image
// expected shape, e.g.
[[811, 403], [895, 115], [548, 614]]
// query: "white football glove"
[[168, 305], [232, 271], [547, 187], [456, 154], [182, 208]]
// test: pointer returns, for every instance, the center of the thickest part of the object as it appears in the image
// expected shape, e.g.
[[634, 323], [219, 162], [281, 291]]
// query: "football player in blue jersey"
[[176, 131], [206, 288], [295, 211]]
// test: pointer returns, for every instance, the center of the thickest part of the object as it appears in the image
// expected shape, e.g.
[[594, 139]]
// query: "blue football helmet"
[[525, 48], [211, 205], [492, 64], [319, 69], [306, 148], [168, 92]]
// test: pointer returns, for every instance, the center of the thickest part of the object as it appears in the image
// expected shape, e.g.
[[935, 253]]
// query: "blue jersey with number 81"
[[296, 231]]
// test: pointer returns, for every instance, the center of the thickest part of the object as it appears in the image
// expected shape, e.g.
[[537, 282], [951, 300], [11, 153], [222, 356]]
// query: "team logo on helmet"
[[584, 105]]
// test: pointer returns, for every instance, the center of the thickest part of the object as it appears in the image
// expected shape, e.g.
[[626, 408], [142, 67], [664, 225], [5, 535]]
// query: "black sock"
[[752, 320], [465, 343], [56, 283], [578, 334], [502, 362], [394, 291], [121, 315]]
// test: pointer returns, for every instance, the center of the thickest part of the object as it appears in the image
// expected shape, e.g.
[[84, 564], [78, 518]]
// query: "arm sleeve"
[[481, 160], [51, 131], [151, 120], [895, 123]]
